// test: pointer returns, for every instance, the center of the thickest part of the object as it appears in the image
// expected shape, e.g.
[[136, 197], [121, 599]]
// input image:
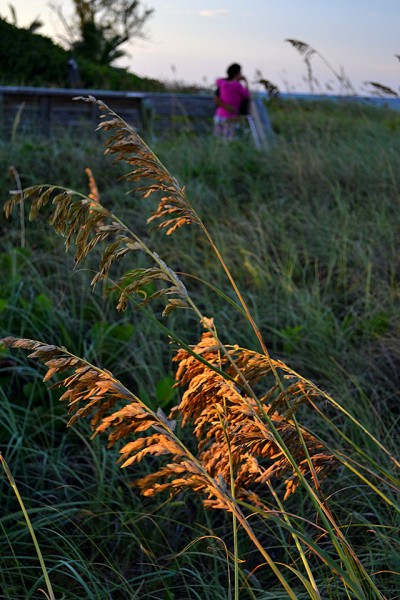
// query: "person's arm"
[[245, 86], [221, 104]]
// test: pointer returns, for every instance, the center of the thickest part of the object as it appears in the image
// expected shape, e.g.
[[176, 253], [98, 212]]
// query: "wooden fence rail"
[[49, 110]]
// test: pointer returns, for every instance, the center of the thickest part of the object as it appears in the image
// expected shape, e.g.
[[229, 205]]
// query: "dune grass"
[[309, 232]]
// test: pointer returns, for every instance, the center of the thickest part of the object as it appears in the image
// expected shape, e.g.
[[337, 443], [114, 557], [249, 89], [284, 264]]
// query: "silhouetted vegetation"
[[102, 27], [30, 59]]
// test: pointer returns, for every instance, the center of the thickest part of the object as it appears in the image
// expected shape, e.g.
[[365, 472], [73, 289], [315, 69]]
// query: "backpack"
[[244, 108]]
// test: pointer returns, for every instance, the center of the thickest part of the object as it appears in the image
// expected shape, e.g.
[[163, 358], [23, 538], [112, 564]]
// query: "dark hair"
[[233, 70]]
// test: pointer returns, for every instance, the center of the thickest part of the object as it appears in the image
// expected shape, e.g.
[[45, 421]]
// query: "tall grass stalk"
[[232, 488], [14, 173], [29, 525]]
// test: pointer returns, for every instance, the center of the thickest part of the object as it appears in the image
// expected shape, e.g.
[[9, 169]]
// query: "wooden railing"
[[49, 110]]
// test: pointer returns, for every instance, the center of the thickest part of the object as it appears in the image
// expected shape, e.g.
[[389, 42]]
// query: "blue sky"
[[194, 40]]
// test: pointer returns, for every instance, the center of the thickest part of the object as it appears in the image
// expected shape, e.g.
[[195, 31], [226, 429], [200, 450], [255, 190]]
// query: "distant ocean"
[[393, 103]]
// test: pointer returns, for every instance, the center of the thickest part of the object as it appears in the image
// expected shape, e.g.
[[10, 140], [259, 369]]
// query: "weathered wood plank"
[[48, 109], [45, 109]]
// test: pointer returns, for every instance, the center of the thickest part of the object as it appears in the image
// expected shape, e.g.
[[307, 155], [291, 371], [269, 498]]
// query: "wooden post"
[[45, 114], [2, 120]]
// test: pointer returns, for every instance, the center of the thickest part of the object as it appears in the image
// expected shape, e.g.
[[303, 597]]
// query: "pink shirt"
[[231, 92]]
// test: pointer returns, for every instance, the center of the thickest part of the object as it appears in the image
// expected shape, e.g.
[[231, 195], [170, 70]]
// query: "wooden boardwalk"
[[51, 110]]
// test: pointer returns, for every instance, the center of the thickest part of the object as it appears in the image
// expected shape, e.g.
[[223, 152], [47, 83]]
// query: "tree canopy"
[[101, 27]]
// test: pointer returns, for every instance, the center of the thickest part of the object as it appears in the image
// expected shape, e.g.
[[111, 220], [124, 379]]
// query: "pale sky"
[[195, 40]]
